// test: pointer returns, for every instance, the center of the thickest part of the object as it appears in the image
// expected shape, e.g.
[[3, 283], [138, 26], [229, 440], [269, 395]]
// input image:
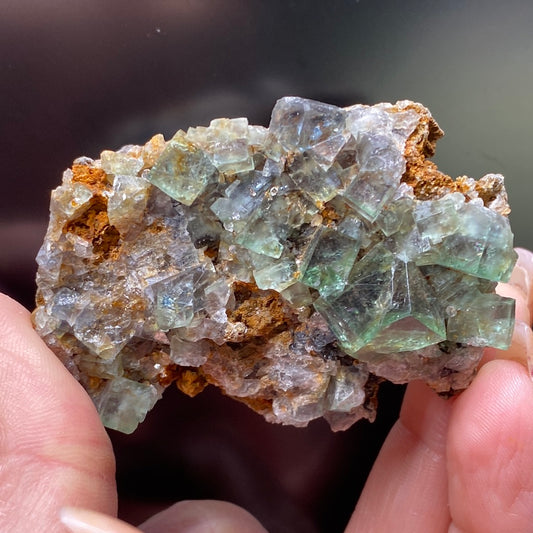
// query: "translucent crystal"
[[187, 353], [174, 302], [342, 395], [367, 305], [294, 267], [68, 200], [486, 320], [415, 319], [128, 199], [331, 257], [376, 176], [183, 170], [299, 123], [120, 163], [321, 185], [298, 295], [262, 238], [278, 276], [241, 199], [226, 143], [474, 240], [124, 403]]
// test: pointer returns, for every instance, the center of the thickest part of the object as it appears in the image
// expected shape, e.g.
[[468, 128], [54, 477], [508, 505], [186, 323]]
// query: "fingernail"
[[84, 521]]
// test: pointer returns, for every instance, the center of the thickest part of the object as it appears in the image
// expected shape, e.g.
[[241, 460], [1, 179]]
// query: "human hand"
[[467, 462]]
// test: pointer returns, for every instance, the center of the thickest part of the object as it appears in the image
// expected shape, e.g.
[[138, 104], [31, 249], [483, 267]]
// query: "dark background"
[[77, 77]]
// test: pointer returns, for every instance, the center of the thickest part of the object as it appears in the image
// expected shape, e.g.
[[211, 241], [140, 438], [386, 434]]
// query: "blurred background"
[[77, 77]]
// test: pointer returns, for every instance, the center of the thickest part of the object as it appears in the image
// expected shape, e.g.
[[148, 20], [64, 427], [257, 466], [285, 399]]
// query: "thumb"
[[54, 451], [203, 515]]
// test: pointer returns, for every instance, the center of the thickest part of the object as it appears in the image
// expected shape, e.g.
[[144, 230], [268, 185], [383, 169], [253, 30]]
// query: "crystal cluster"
[[295, 267]]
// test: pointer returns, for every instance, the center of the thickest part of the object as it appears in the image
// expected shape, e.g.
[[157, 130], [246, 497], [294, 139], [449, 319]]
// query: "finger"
[[85, 521], [54, 451], [490, 452], [203, 515], [406, 490]]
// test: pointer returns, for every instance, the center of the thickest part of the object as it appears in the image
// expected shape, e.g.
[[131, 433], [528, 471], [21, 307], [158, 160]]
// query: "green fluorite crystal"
[[329, 260], [293, 266], [182, 171]]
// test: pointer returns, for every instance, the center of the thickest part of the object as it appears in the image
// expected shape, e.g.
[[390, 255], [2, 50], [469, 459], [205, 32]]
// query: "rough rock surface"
[[294, 267]]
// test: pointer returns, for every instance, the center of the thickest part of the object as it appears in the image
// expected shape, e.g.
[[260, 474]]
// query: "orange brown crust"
[[262, 312], [93, 225], [190, 381], [93, 177]]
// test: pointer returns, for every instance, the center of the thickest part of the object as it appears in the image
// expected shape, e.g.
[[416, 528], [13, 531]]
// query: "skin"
[[459, 466]]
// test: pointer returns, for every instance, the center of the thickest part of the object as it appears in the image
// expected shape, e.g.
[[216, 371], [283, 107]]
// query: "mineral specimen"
[[295, 267]]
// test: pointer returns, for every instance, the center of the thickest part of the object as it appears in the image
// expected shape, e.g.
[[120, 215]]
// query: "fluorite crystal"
[[295, 267]]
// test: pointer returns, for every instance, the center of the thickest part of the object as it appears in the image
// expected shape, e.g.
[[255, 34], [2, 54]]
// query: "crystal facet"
[[294, 267]]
